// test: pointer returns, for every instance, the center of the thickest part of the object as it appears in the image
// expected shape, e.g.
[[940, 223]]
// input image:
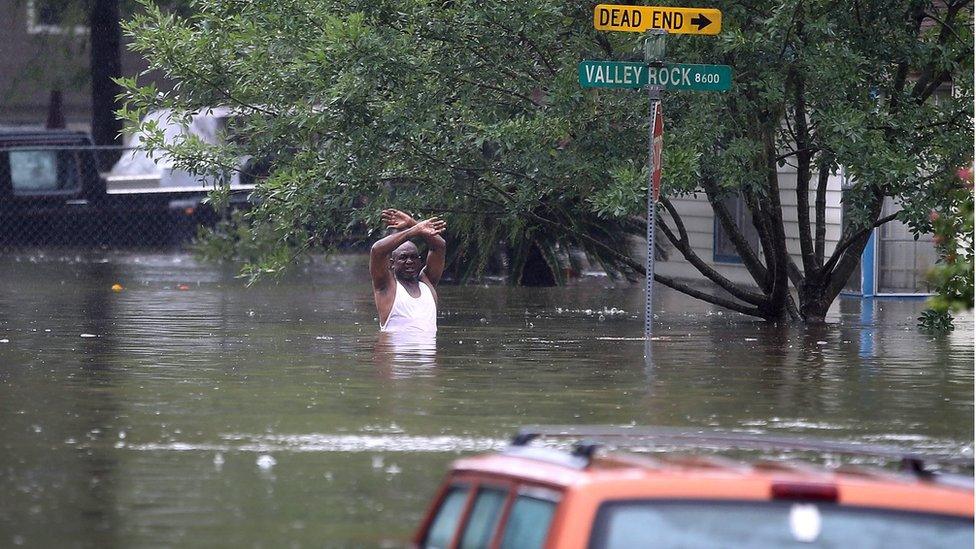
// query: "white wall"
[[697, 215]]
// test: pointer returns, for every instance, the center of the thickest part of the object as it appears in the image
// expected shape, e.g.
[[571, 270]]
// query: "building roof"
[[34, 135]]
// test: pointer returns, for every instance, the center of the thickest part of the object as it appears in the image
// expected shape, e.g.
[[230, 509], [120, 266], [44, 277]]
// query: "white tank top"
[[412, 314]]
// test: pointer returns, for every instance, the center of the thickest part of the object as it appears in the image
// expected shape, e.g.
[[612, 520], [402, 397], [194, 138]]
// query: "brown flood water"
[[275, 415]]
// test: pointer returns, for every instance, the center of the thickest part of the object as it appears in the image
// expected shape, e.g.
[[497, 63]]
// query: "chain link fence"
[[57, 193]]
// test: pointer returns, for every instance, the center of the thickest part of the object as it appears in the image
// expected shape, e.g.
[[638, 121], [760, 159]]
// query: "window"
[[484, 518], [446, 522], [724, 250], [43, 171], [56, 17], [528, 523], [770, 524], [903, 258]]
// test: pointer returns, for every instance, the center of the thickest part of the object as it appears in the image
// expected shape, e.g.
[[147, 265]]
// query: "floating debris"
[[265, 461], [117, 287]]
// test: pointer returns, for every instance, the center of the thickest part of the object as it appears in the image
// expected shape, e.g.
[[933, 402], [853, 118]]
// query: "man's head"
[[405, 261]]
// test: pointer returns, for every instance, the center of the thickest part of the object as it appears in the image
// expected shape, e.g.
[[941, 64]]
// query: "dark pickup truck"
[[52, 192]]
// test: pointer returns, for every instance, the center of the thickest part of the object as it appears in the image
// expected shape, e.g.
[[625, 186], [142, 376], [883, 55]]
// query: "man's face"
[[406, 262]]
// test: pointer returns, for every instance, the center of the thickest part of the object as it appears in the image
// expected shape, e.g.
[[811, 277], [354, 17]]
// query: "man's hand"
[[430, 227], [395, 219]]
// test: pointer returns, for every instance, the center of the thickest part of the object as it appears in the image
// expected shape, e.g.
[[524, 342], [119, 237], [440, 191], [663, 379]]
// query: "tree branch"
[[803, 158], [929, 80], [761, 224], [497, 89], [779, 270], [679, 224], [796, 276], [525, 39], [851, 238], [749, 258], [786, 155], [821, 214], [689, 254], [715, 300], [792, 309]]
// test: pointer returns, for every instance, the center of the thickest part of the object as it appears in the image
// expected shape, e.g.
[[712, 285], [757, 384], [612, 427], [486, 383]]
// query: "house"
[[45, 50], [894, 263]]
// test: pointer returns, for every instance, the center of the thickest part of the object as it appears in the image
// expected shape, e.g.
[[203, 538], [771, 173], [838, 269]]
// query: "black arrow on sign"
[[701, 21]]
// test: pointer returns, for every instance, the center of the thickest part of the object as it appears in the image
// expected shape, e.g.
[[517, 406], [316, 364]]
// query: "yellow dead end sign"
[[612, 17]]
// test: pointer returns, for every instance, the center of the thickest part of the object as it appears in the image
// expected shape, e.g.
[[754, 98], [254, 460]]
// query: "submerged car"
[[533, 497]]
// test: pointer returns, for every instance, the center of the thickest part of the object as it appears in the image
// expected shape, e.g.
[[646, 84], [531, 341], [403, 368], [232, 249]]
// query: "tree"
[[473, 111], [823, 86], [73, 29], [106, 66]]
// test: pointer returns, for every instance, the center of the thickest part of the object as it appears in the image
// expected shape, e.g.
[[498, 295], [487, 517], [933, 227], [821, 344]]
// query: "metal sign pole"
[[654, 97], [654, 48]]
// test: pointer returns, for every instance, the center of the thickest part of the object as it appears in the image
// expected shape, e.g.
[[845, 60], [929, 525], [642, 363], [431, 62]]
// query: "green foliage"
[[953, 276], [242, 239], [936, 322], [466, 110], [472, 111]]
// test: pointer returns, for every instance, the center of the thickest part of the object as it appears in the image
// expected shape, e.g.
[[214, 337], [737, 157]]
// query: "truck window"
[[446, 521], [484, 518], [770, 524], [43, 171], [528, 523]]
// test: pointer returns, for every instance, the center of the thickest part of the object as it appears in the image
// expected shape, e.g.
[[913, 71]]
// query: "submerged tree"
[[473, 111], [820, 87]]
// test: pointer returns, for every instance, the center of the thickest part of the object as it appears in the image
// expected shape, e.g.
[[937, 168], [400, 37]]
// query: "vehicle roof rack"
[[912, 462]]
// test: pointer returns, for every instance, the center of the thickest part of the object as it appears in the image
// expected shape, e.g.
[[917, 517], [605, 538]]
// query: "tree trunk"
[[106, 64], [775, 308], [813, 300], [820, 289], [55, 111]]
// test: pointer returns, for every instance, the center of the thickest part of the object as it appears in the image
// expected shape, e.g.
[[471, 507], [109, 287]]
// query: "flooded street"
[[190, 410]]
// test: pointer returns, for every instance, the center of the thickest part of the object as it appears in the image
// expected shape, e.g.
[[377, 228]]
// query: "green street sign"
[[672, 76]]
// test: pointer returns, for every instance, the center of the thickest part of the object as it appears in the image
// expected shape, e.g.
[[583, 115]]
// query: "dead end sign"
[[613, 17]]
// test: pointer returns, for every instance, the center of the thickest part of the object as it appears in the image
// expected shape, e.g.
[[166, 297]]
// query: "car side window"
[[528, 523], [43, 171], [484, 517], [446, 520]]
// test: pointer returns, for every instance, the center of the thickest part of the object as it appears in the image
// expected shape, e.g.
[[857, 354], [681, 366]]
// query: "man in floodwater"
[[403, 287]]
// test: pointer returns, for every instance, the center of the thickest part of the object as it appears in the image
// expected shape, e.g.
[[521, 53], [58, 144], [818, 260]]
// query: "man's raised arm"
[[436, 253], [379, 254]]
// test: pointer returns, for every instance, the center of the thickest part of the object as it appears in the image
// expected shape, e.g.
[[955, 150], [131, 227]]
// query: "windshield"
[[770, 524]]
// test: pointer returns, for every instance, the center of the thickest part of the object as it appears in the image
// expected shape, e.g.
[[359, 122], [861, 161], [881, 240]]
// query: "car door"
[[491, 513], [42, 190]]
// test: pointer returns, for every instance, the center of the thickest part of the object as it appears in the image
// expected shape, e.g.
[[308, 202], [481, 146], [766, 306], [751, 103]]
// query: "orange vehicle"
[[533, 497]]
